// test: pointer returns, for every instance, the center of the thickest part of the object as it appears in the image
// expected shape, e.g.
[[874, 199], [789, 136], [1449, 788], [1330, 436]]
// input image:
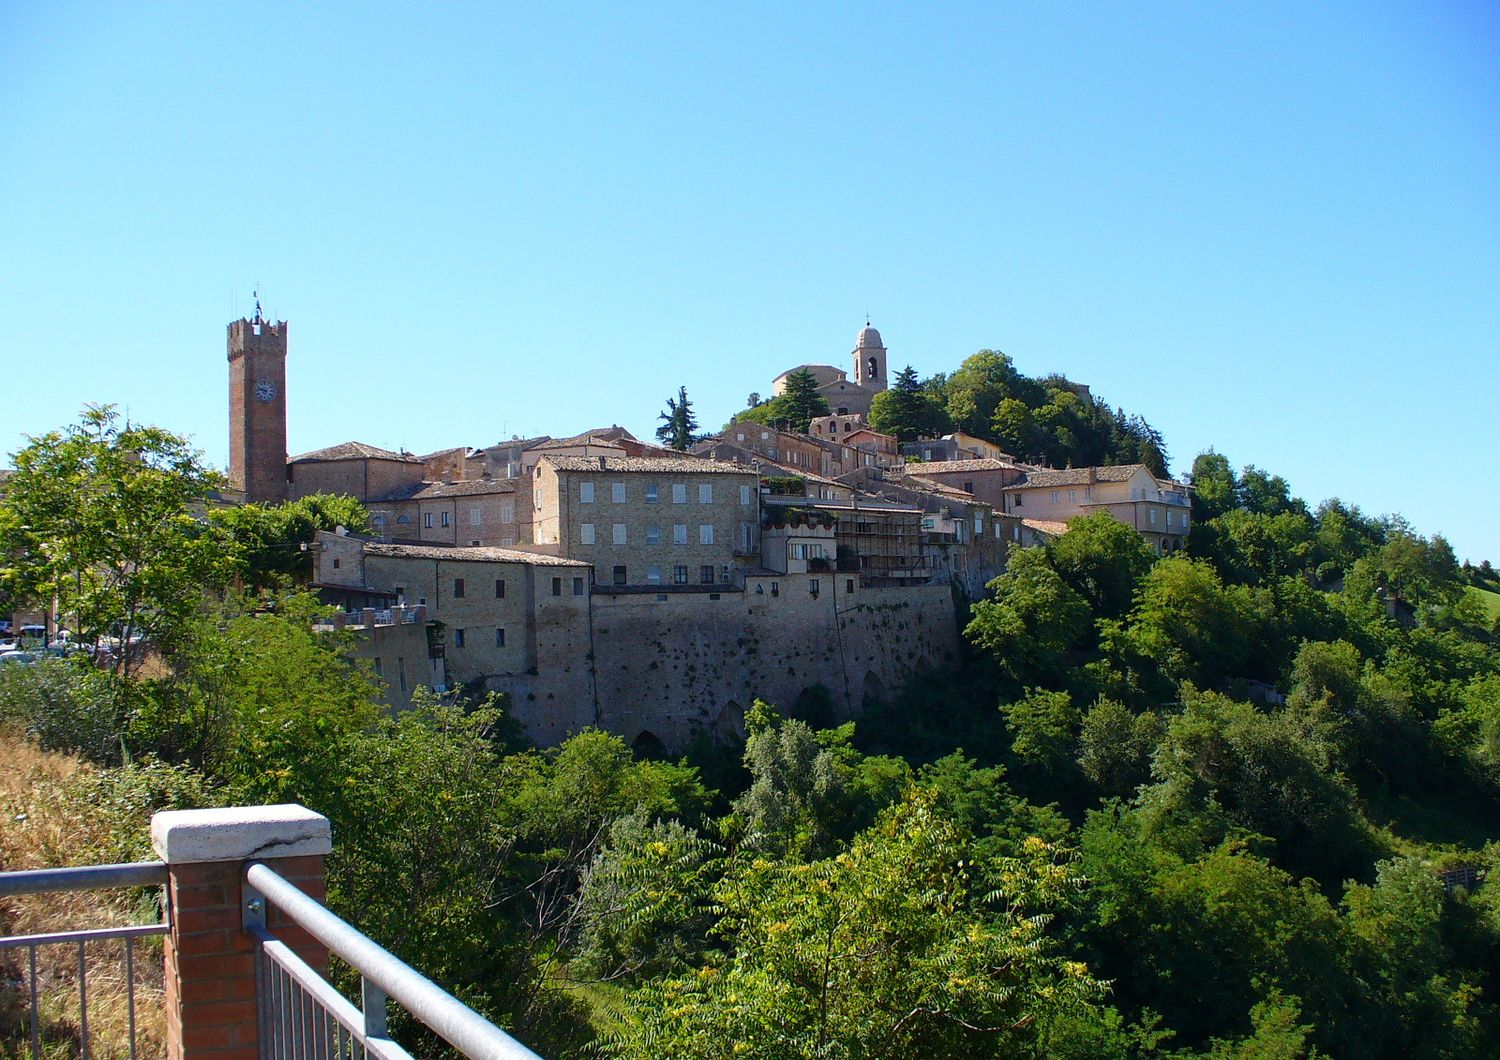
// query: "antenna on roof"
[[256, 294]]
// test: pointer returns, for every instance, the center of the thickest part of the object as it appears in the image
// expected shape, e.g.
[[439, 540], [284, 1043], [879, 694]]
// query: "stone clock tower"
[[257, 408]]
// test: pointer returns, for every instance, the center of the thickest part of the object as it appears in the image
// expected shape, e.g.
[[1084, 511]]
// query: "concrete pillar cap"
[[239, 833]]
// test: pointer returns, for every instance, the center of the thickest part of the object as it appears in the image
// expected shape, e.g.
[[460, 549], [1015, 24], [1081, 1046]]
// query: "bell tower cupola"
[[257, 408], [869, 360]]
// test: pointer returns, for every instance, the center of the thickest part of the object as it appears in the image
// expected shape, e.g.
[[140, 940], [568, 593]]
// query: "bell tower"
[[869, 360], [257, 408]]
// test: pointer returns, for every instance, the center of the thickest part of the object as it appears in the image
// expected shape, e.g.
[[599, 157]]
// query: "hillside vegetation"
[[1197, 806]]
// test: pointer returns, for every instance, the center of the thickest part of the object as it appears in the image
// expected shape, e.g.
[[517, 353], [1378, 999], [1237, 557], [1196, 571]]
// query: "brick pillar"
[[210, 960]]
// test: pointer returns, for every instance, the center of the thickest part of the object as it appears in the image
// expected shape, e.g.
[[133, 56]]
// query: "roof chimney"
[[601, 463]]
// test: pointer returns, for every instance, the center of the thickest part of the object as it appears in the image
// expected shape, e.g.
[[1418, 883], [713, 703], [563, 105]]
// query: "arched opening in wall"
[[923, 664], [729, 724], [874, 368], [873, 691], [649, 745], [814, 705]]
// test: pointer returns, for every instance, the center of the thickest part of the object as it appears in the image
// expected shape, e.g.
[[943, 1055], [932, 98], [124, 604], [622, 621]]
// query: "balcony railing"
[[31, 980], [244, 943]]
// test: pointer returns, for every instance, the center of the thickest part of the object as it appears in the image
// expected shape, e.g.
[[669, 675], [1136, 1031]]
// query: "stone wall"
[[670, 667]]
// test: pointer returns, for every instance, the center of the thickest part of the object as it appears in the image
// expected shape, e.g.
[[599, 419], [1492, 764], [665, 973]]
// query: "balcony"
[[246, 946]]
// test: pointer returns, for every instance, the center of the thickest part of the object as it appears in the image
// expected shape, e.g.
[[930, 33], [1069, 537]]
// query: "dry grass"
[[43, 825]]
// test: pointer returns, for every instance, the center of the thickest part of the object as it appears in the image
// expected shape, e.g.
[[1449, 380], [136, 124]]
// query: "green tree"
[[1032, 618], [800, 403], [1015, 430], [1045, 728], [1115, 747], [1216, 489], [980, 384], [678, 422], [905, 411], [269, 539], [896, 948], [1102, 559], [104, 519]]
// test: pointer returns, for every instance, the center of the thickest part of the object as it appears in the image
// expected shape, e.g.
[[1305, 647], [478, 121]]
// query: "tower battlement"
[[257, 335]]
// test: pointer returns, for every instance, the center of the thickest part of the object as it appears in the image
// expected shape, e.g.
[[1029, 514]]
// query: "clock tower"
[[257, 408]]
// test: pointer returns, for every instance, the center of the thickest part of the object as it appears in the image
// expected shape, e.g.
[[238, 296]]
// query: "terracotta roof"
[[575, 442], [651, 465], [1078, 476], [462, 450], [1050, 527], [481, 554], [425, 490], [931, 485], [353, 451], [945, 467], [596, 436], [521, 444]]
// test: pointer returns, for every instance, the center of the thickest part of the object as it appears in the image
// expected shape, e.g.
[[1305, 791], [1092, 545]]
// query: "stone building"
[[483, 512], [848, 396], [985, 479], [354, 469], [1159, 509], [647, 521]]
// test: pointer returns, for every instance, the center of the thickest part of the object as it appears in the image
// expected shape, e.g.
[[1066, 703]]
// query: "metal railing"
[[302, 1016], [95, 877]]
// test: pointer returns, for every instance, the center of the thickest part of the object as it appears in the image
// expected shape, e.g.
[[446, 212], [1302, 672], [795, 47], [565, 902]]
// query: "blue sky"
[[1270, 229]]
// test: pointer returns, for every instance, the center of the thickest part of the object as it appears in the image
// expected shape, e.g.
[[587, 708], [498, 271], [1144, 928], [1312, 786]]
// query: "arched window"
[[874, 367]]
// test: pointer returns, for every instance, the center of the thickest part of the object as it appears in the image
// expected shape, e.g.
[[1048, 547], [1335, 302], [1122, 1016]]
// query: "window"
[[556, 586], [679, 534], [651, 495], [458, 638], [586, 492], [739, 436], [586, 533], [661, 598], [706, 574], [1072, 496], [1169, 518], [679, 493], [745, 495], [706, 493], [499, 588], [617, 533], [458, 588], [379, 668], [1153, 516], [705, 533], [427, 520], [653, 535], [577, 586], [401, 671], [775, 588], [499, 636], [507, 511], [653, 575], [978, 522], [812, 586], [679, 574], [1019, 501], [335, 564], [1088, 493], [621, 574], [444, 519], [476, 517], [969, 487], [848, 585], [617, 492], [1054, 496]]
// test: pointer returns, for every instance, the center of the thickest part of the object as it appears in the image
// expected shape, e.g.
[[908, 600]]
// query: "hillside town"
[[601, 579]]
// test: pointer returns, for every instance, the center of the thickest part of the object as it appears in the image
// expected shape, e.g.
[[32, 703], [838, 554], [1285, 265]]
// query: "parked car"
[[21, 658]]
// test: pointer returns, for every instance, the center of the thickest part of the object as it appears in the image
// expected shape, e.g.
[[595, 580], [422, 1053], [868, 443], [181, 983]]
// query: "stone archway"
[[729, 724], [649, 745], [873, 690]]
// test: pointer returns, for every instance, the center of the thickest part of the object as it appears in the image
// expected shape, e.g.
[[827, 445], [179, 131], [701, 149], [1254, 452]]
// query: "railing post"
[[210, 960]]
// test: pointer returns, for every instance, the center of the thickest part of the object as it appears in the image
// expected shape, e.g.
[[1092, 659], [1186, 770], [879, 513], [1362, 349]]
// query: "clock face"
[[265, 390]]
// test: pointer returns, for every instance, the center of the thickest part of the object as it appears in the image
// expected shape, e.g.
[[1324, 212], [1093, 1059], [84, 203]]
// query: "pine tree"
[[678, 422]]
